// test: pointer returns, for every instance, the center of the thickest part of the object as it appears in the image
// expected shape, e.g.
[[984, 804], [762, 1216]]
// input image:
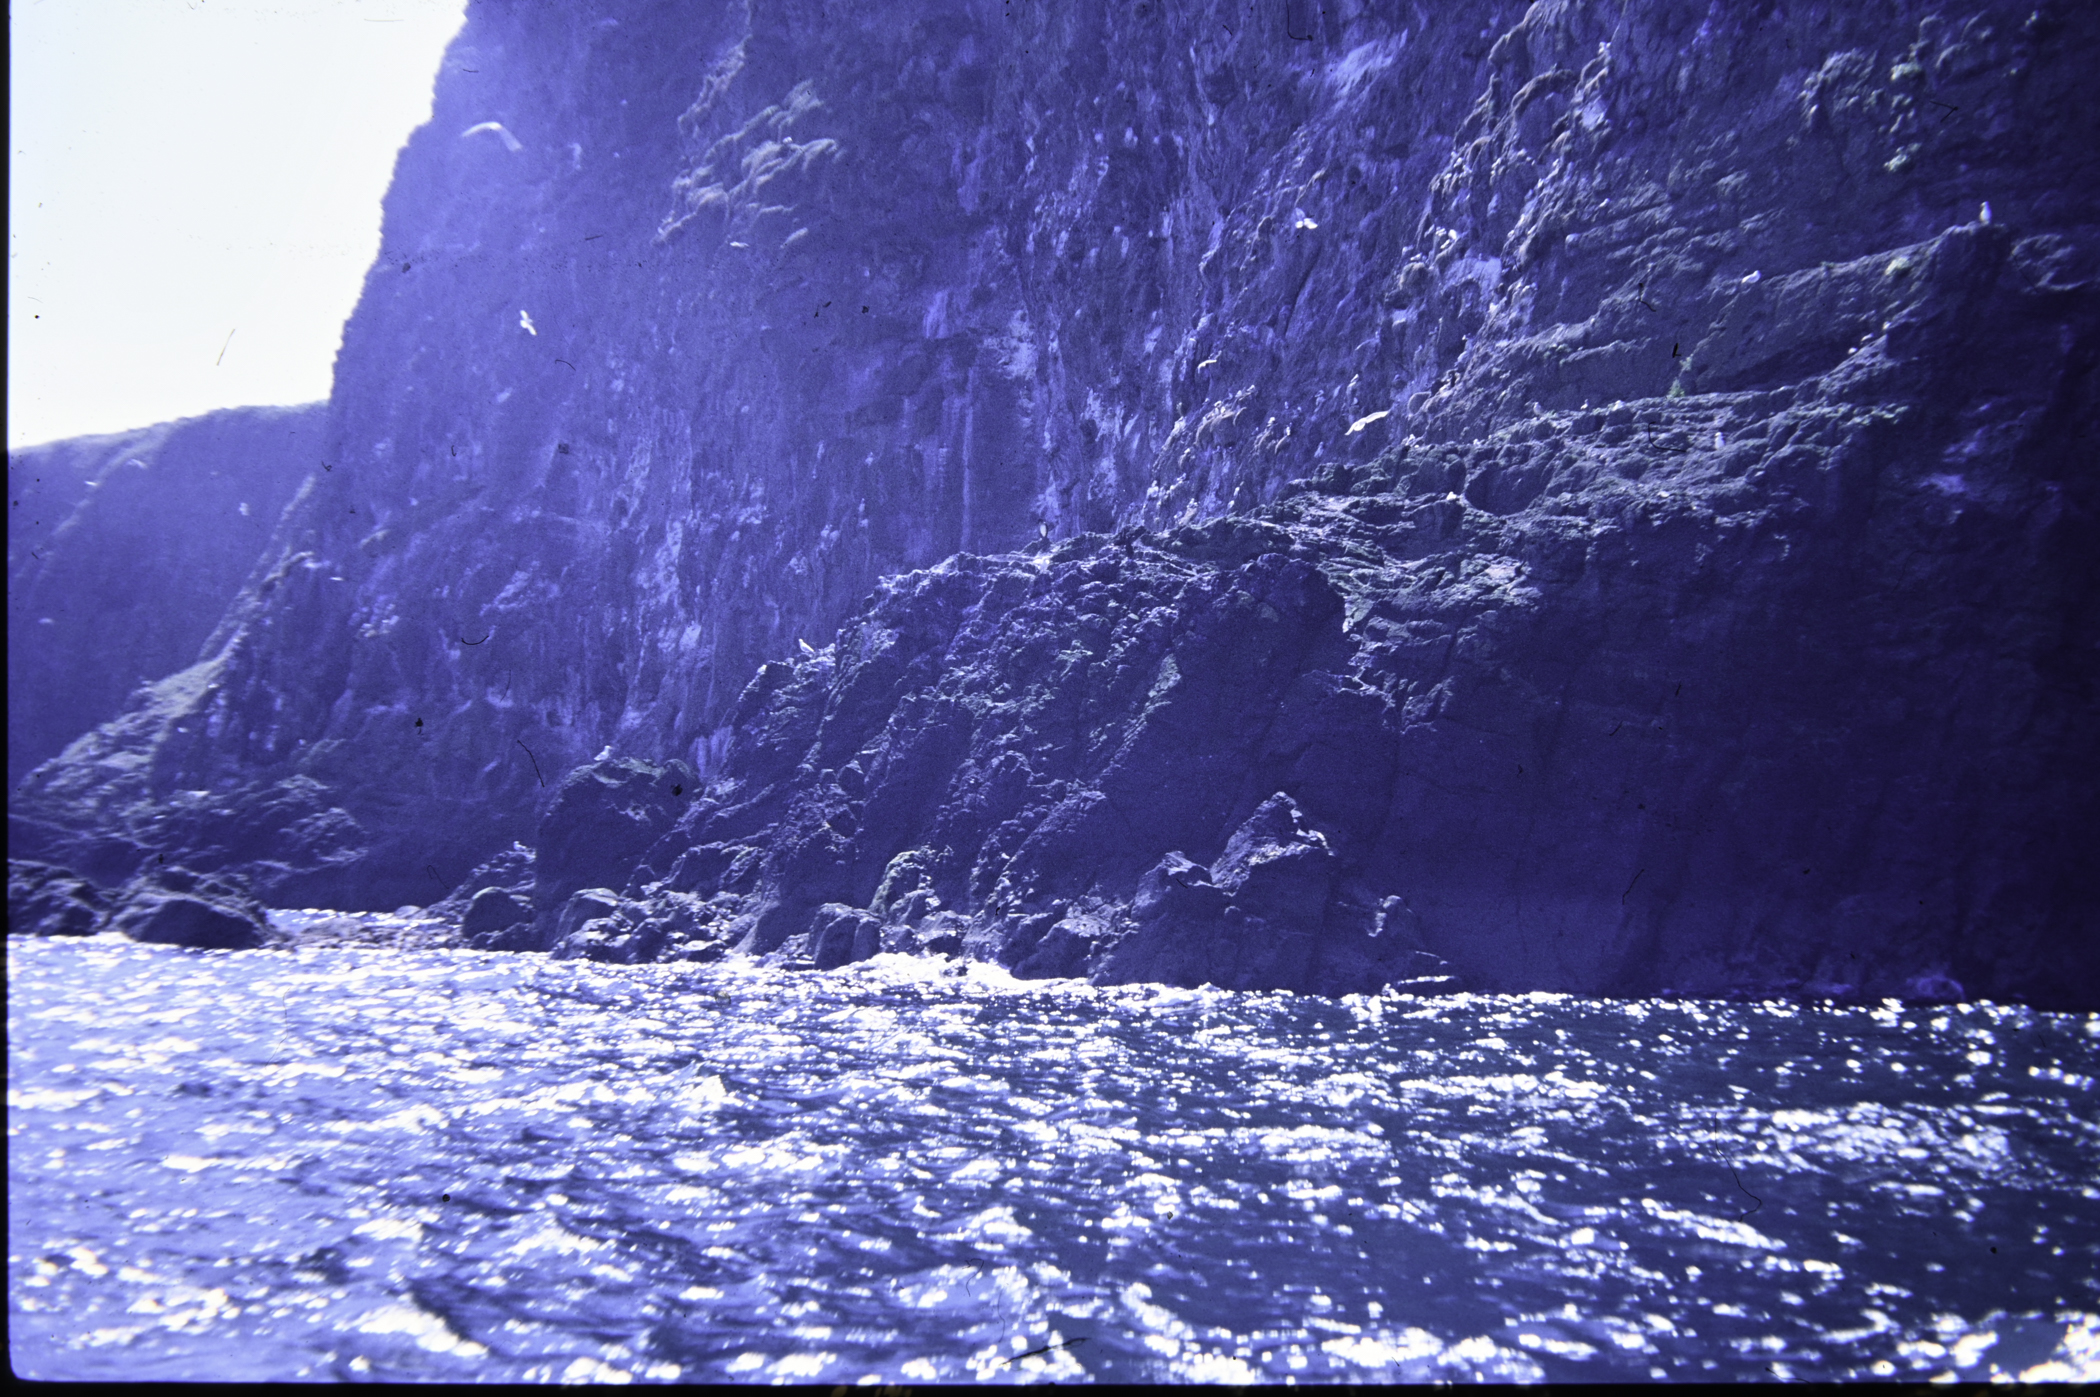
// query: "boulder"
[[691, 928], [1068, 949], [840, 935], [940, 934], [512, 870], [602, 821], [1257, 918], [170, 905], [45, 900], [1277, 867], [602, 939], [1934, 987], [493, 903], [589, 905], [599, 924], [182, 920], [498, 919]]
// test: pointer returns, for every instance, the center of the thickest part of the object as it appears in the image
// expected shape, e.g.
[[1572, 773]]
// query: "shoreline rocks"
[[1610, 475], [45, 900]]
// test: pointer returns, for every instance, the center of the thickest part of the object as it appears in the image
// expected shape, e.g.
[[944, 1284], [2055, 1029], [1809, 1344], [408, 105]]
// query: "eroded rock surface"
[[603, 819], [45, 900], [1597, 743], [492, 905], [175, 906], [1691, 583]]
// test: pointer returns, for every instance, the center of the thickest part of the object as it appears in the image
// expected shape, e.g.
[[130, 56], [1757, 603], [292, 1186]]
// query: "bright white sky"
[[186, 170]]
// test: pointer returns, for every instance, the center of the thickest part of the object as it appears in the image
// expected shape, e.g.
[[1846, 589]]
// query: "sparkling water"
[[357, 1162]]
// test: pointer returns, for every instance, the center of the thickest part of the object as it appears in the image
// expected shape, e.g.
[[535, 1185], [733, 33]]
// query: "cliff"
[[123, 552], [1664, 440]]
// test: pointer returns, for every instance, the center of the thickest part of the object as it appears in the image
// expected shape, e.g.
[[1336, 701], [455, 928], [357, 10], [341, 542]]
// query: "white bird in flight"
[[511, 142]]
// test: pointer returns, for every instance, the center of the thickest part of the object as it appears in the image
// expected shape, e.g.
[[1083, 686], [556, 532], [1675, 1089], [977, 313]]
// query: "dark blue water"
[[384, 1164]]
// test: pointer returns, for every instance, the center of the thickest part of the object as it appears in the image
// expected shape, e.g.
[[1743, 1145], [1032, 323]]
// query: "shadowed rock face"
[[603, 820], [47, 901], [1653, 732], [123, 553], [1690, 583], [183, 920], [164, 903], [493, 904]]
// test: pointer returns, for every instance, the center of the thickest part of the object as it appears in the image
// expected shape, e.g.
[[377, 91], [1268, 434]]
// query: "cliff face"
[[1692, 574], [124, 551], [1667, 729]]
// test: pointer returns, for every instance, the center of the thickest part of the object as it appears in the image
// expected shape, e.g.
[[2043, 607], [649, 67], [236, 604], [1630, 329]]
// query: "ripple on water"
[[362, 1161]]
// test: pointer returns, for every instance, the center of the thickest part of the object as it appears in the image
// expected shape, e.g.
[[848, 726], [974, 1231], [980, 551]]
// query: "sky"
[[193, 197]]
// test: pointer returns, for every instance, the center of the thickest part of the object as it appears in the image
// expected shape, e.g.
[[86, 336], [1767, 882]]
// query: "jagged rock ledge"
[[1401, 724]]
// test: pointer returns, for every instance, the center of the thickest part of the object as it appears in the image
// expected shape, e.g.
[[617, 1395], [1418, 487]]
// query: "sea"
[[360, 1163]]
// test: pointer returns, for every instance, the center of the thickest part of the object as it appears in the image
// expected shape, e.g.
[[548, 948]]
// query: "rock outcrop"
[[1597, 744], [44, 900], [166, 904], [1622, 479], [175, 906], [123, 553], [493, 904], [603, 819]]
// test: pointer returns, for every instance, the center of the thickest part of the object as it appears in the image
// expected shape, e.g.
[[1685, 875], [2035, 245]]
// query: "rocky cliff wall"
[[1674, 727], [124, 551], [1718, 378]]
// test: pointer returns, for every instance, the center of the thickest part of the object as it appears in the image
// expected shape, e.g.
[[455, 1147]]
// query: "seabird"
[[511, 142]]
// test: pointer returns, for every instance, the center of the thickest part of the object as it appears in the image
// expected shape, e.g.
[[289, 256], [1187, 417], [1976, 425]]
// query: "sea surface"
[[363, 1163]]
